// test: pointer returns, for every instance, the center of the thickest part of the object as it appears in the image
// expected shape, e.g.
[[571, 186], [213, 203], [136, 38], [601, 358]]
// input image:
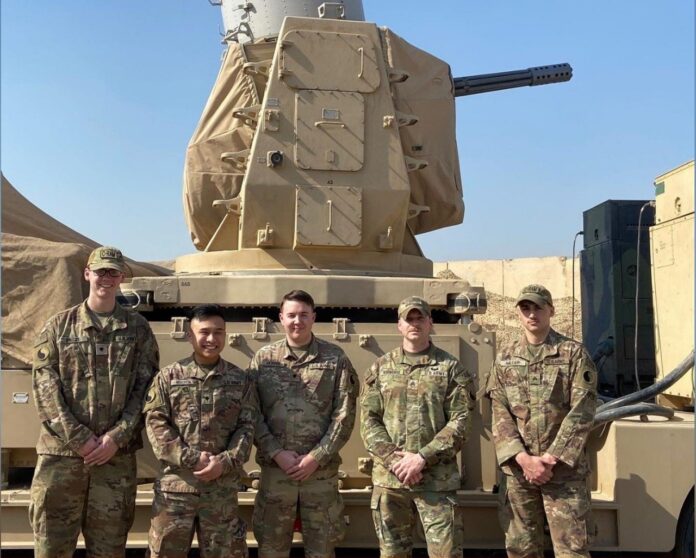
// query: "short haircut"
[[298, 296], [205, 311]]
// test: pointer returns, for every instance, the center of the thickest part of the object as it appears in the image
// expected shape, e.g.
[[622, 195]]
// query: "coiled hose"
[[635, 403]]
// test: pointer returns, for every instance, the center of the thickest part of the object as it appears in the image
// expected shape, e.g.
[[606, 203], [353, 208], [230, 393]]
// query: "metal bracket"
[[261, 68], [340, 333], [406, 119], [234, 339], [250, 115], [364, 340], [332, 10], [179, 328], [413, 164], [264, 237], [238, 158], [386, 241], [271, 120], [415, 210], [260, 330]]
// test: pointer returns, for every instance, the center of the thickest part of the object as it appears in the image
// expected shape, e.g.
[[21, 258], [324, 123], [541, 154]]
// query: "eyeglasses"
[[105, 271]]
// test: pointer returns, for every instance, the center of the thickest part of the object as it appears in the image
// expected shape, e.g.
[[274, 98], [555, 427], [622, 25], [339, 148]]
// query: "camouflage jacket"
[[421, 408], [92, 381], [543, 404], [190, 410], [306, 405]]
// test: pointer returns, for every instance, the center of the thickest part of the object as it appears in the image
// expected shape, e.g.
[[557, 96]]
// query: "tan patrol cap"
[[413, 303], [107, 257], [538, 294]]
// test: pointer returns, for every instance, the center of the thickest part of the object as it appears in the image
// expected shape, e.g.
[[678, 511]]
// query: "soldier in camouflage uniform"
[[416, 406], [543, 389], [307, 394], [200, 415], [92, 365]]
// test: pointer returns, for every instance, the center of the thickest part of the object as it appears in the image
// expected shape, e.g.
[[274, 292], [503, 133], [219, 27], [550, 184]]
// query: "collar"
[[117, 320], [428, 358], [312, 352], [549, 348]]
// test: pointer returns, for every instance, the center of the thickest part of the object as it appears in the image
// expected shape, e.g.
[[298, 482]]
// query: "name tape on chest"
[[513, 361], [184, 382]]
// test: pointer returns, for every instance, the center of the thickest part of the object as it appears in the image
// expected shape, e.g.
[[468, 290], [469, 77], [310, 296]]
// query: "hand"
[[408, 468], [286, 459], [535, 469], [212, 470], [549, 459], [304, 468], [203, 460], [88, 447], [105, 450]]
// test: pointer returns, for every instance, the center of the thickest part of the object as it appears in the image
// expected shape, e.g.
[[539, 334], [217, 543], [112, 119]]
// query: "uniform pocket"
[[376, 513]]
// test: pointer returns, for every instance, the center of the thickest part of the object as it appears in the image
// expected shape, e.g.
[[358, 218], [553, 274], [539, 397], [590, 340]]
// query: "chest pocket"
[[273, 383], [227, 399], [514, 380], [122, 350], [557, 382], [318, 379], [392, 383], [184, 398], [73, 358]]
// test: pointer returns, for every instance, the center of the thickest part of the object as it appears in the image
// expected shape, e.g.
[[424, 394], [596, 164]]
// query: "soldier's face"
[[415, 327], [535, 319], [297, 319], [207, 336], [104, 286]]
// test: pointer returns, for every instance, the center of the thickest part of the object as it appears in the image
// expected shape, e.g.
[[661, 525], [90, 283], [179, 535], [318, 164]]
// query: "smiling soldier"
[[543, 389], [200, 416], [92, 365], [307, 390], [415, 408]]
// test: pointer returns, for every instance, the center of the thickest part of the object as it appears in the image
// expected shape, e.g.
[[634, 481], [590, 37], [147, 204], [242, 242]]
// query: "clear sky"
[[100, 98]]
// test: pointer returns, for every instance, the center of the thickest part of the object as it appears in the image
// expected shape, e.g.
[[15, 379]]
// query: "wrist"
[[522, 458]]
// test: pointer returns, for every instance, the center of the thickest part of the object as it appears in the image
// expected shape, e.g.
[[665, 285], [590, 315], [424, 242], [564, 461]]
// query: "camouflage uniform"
[[307, 406], [420, 406], [88, 381], [544, 404], [190, 410]]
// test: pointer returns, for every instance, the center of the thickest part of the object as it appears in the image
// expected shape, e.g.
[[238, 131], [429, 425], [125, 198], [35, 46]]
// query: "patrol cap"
[[413, 303], [107, 257], [538, 294]]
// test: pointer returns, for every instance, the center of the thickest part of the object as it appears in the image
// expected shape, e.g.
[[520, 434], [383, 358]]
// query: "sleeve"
[[145, 365], [54, 413], [372, 428], [571, 437], [458, 406], [164, 437], [506, 436], [239, 448], [346, 391], [264, 439]]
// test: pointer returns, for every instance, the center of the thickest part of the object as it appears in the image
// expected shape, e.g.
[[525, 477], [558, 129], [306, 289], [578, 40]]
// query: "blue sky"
[[100, 98]]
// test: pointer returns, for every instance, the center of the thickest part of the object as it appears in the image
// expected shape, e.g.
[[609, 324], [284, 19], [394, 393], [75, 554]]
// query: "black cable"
[[638, 409], [651, 391], [635, 330]]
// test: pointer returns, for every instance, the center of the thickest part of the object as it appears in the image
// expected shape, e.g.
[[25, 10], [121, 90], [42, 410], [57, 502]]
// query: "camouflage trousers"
[[281, 500], [394, 514], [214, 516], [68, 497], [566, 507]]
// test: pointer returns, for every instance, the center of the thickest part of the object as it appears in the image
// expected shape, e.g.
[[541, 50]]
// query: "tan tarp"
[[206, 177], [42, 267], [428, 93]]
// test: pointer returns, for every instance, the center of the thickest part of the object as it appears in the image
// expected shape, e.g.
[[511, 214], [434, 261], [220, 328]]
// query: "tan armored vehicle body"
[[325, 147]]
